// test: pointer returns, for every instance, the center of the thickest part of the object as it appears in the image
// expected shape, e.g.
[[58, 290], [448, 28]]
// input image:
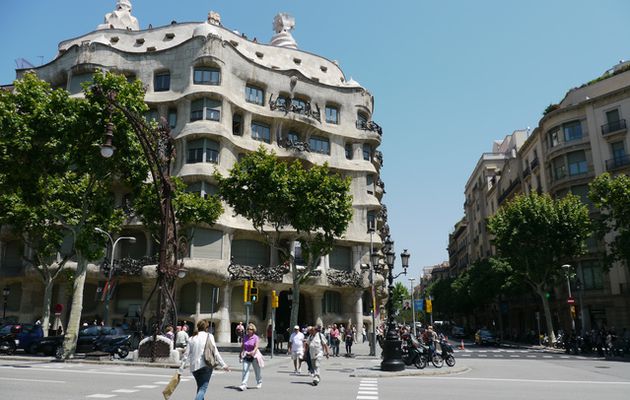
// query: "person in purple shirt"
[[251, 356]]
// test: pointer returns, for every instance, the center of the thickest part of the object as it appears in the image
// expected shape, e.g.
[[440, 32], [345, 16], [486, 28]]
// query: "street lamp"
[[567, 271], [413, 307], [392, 357], [374, 259], [5, 293], [159, 150], [108, 291]]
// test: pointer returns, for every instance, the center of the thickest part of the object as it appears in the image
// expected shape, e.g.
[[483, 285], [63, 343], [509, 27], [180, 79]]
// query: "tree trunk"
[[74, 322], [547, 310], [295, 305], [48, 286]]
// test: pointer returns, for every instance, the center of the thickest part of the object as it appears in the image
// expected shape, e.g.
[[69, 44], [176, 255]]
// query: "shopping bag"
[[170, 388]]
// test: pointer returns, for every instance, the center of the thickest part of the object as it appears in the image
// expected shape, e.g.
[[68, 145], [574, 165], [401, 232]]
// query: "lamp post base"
[[392, 356]]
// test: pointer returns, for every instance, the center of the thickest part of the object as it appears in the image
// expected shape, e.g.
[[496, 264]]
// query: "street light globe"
[[107, 151]]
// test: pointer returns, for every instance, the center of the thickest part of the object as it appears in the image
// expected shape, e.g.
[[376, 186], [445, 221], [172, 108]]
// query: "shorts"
[[297, 355]]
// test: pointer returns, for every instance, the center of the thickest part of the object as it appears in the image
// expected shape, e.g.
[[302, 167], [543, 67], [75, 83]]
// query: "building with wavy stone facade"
[[223, 96]]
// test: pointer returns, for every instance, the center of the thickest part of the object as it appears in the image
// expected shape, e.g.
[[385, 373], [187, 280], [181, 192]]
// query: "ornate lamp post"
[[567, 270], [159, 150], [392, 357], [108, 291]]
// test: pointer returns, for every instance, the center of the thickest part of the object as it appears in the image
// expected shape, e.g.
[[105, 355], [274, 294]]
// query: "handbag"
[[208, 354], [170, 388]]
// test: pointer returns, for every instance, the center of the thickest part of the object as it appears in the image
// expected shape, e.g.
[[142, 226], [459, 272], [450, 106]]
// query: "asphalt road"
[[486, 378]]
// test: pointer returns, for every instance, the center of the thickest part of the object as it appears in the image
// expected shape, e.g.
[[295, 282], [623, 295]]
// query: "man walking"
[[317, 347], [296, 343]]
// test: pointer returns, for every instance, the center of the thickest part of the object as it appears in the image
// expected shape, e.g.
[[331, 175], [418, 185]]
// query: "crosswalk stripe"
[[125, 391]]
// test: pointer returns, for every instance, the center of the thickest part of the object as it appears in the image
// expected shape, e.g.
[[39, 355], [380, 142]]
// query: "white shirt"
[[297, 342], [194, 352], [316, 344], [181, 338]]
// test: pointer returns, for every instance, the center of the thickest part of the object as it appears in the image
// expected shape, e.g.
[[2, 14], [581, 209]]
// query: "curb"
[[377, 373]]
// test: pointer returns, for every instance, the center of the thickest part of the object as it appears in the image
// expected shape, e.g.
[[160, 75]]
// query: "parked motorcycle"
[[116, 346], [447, 353], [7, 344], [413, 352]]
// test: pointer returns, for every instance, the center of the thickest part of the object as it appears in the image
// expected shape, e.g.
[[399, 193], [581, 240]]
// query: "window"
[[577, 163], [572, 131], [332, 115], [237, 124], [162, 82], [261, 132], [553, 137], [582, 192], [341, 258], [331, 303], [559, 169], [254, 95], [77, 80], [367, 152], [202, 188], [152, 115], [371, 219], [362, 120], [618, 151], [612, 116], [369, 183], [292, 137], [250, 252], [202, 150], [319, 145], [205, 108], [349, 151], [207, 243], [172, 118], [298, 105], [592, 275], [207, 76]]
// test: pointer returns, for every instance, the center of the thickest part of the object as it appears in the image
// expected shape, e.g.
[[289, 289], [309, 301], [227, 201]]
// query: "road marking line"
[[146, 386], [125, 391], [368, 384], [515, 356], [371, 392], [454, 378], [101, 396], [547, 356], [483, 355], [367, 397], [31, 380], [161, 383], [531, 356]]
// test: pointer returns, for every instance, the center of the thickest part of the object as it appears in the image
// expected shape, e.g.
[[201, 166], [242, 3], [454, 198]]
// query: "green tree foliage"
[[286, 202], [535, 235], [612, 197], [53, 181]]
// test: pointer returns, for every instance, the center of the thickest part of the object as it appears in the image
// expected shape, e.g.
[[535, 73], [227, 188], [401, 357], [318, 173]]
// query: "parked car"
[[458, 332], [484, 337], [23, 335], [91, 338]]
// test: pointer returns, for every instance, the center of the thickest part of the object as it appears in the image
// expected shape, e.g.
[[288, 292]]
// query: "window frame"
[[314, 143], [261, 138], [162, 81], [202, 70], [206, 110], [257, 91], [204, 154], [329, 115]]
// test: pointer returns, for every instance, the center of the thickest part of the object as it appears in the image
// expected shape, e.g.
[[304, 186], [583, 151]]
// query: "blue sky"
[[448, 77]]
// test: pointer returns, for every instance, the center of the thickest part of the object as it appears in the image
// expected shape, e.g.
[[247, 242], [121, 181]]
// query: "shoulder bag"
[[208, 354]]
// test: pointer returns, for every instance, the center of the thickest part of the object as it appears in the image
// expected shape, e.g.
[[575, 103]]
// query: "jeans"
[[202, 377], [246, 365]]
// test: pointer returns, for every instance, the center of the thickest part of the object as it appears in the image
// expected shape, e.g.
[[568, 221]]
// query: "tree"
[[611, 196], [535, 235], [50, 165], [399, 295], [285, 202]]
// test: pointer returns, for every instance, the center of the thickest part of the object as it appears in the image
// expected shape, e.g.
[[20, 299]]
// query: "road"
[[491, 377]]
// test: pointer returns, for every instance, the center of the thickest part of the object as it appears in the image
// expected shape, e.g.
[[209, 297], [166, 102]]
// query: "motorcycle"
[[447, 353], [116, 346], [413, 352], [7, 344]]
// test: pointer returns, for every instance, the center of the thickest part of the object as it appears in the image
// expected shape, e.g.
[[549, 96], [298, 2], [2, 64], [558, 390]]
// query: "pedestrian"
[[349, 339], [194, 356], [363, 334], [181, 338], [169, 333], [240, 329], [335, 338], [317, 346], [269, 333], [251, 356], [296, 346]]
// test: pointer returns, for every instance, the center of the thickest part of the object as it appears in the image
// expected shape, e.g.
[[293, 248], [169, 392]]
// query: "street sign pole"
[[273, 329]]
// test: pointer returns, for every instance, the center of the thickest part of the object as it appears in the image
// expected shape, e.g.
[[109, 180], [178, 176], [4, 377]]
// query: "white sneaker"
[[259, 386], [242, 388]]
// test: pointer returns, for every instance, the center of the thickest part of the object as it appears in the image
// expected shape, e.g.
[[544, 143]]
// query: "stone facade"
[[225, 95]]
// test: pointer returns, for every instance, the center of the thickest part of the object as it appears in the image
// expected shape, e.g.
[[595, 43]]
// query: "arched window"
[[207, 243]]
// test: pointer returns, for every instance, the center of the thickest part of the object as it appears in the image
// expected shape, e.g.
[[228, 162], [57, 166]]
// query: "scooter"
[[447, 353], [7, 344], [413, 352], [118, 346]]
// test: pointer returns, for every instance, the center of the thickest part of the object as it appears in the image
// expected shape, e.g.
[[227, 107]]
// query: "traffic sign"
[[571, 300]]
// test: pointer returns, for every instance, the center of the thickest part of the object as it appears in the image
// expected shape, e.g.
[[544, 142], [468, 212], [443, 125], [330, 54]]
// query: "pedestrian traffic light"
[[274, 299], [253, 292]]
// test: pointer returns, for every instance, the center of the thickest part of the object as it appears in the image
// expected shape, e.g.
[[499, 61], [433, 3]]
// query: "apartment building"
[[224, 95]]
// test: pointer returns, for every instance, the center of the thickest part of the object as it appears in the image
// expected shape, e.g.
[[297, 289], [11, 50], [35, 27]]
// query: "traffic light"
[[274, 299], [253, 292], [246, 291]]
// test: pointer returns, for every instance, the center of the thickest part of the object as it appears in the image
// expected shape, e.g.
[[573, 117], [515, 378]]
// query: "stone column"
[[198, 302], [222, 333], [358, 309]]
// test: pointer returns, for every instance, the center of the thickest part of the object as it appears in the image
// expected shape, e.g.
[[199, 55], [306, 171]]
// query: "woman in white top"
[[194, 355]]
